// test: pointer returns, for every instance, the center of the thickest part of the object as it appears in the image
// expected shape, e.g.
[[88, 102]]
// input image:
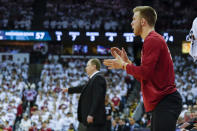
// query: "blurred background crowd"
[[26, 105], [94, 14]]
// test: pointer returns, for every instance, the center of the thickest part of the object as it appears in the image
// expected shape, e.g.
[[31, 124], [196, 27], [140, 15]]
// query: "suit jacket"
[[92, 100]]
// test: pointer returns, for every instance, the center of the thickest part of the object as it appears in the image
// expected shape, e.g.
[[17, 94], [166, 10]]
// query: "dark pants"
[[108, 125], [96, 128], [166, 113], [82, 127]]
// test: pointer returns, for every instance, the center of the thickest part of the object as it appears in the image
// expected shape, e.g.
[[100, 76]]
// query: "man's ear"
[[143, 22], [95, 66]]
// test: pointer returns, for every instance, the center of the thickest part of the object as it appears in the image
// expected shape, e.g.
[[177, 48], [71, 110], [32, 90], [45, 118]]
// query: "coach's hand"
[[90, 119], [195, 126], [184, 125], [65, 90]]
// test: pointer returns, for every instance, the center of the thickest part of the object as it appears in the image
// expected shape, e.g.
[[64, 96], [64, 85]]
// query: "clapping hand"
[[116, 63], [121, 59], [195, 126], [122, 53]]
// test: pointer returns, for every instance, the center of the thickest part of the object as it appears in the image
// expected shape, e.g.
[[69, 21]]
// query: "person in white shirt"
[[59, 122], [35, 117], [25, 123]]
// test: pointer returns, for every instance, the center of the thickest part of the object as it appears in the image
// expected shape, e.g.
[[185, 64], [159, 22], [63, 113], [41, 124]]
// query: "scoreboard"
[[17, 35], [74, 36]]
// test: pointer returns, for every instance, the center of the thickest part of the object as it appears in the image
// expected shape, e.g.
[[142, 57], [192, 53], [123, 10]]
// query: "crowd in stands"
[[16, 14], [50, 109], [185, 76], [12, 77], [58, 110], [91, 16], [113, 15], [55, 76]]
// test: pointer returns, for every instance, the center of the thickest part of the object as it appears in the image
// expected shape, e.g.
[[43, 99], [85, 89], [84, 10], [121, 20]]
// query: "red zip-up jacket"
[[156, 72]]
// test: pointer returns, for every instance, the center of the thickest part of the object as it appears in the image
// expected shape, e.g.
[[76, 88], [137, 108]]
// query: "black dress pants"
[[166, 113], [96, 128], [108, 125], [91, 127]]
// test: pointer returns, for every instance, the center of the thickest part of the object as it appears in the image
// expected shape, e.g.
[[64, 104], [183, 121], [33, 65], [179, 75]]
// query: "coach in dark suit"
[[91, 107]]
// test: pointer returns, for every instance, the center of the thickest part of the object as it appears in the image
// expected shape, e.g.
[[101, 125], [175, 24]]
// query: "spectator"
[[7, 127], [44, 127], [133, 124], [25, 123], [108, 111], [33, 127]]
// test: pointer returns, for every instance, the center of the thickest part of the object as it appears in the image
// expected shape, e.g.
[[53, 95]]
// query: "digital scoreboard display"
[[109, 37], [19, 35], [74, 37]]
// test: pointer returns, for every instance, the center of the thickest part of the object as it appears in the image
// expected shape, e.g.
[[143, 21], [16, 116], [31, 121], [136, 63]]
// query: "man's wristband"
[[124, 66]]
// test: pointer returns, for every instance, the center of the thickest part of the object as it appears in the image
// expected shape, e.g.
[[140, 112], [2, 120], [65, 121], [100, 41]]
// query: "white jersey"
[[193, 39]]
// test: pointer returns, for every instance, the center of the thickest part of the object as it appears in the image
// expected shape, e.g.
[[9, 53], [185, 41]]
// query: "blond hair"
[[148, 13]]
